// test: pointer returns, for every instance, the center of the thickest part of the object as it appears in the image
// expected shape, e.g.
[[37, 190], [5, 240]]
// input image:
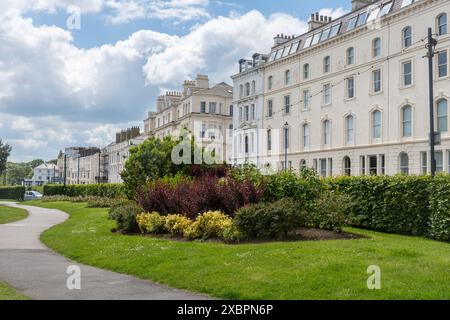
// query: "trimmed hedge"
[[398, 204], [440, 209], [12, 193], [77, 190]]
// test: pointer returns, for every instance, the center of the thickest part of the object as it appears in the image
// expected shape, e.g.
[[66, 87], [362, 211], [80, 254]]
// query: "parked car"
[[32, 195]]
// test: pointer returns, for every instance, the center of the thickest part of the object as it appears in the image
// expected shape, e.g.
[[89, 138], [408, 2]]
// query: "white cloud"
[[28, 144], [217, 45], [54, 94], [333, 12], [22, 124], [122, 11]]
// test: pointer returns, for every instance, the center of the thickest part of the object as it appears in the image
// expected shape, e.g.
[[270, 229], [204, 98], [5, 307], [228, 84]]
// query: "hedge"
[[439, 192], [98, 190], [398, 204], [12, 193]]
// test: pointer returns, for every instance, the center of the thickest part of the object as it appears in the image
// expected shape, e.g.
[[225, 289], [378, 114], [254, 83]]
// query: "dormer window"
[[352, 23]]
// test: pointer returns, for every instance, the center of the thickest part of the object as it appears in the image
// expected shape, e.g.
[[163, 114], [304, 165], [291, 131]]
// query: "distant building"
[[204, 111], [43, 174], [80, 165], [116, 154]]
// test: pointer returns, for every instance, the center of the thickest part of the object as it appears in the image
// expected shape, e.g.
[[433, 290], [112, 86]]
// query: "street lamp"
[[431, 46], [286, 132]]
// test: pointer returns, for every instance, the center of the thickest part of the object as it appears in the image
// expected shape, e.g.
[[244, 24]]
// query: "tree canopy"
[[5, 151]]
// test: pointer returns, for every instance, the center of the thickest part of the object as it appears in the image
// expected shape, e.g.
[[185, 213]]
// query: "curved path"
[[36, 271]]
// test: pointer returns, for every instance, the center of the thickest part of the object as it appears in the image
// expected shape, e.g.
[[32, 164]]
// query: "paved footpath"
[[36, 271]]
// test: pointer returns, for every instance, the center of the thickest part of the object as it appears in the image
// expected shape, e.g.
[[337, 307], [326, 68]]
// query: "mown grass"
[[8, 293], [9, 214], [412, 268]]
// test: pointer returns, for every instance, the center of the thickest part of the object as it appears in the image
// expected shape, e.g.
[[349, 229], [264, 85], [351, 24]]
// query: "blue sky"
[[96, 31], [63, 87]]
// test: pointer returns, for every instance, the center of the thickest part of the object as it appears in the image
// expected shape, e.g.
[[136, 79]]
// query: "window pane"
[[439, 161], [442, 24], [407, 73], [351, 23], [407, 37], [442, 64], [325, 34], [335, 30], [442, 116], [407, 121], [376, 125], [386, 9], [316, 38], [308, 42], [362, 19]]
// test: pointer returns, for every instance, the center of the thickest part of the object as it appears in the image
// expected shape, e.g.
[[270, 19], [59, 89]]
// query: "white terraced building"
[[351, 96]]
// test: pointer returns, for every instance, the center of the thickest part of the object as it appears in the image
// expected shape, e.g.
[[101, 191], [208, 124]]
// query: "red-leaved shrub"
[[205, 193]]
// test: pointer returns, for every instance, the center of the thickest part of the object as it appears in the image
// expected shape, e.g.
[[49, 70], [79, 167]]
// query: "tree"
[[150, 160], [17, 172], [5, 151]]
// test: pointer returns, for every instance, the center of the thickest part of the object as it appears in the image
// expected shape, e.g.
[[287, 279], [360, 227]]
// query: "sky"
[[73, 72]]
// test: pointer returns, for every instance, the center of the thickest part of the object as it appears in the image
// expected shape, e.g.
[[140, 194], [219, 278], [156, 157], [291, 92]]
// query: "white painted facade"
[[248, 97], [364, 125], [43, 174], [117, 154]]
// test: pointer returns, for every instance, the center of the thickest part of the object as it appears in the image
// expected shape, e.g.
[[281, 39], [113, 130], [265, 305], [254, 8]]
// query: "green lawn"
[[9, 214], [8, 293], [412, 268]]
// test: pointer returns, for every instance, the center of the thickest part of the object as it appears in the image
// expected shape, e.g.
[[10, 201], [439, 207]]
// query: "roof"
[[221, 89], [345, 24], [49, 166]]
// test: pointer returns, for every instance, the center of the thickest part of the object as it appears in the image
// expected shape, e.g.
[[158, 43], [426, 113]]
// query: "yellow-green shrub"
[[211, 224], [151, 222], [177, 224]]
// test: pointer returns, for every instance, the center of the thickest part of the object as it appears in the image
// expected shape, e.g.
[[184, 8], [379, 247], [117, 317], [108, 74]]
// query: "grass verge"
[[411, 268], [10, 214], [8, 293]]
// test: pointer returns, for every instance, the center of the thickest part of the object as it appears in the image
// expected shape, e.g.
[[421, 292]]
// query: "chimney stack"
[[317, 20]]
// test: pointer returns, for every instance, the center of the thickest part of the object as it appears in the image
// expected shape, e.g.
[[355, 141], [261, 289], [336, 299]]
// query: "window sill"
[[327, 105], [376, 93], [438, 79], [349, 99], [402, 87]]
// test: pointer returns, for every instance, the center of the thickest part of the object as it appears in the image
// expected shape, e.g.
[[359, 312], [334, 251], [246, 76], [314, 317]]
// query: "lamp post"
[[286, 138], [431, 45]]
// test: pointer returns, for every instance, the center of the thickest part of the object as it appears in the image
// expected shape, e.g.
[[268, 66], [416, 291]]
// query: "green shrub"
[[329, 212], [275, 220], [125, 216], [304, 187], [232, 234], [92, 201], [440, 208], [75, 190], [211, 224], [151, 223], [104, 202], [12, 193]]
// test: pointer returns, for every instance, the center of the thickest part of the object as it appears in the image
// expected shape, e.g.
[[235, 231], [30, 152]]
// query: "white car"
[[32, 195]]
